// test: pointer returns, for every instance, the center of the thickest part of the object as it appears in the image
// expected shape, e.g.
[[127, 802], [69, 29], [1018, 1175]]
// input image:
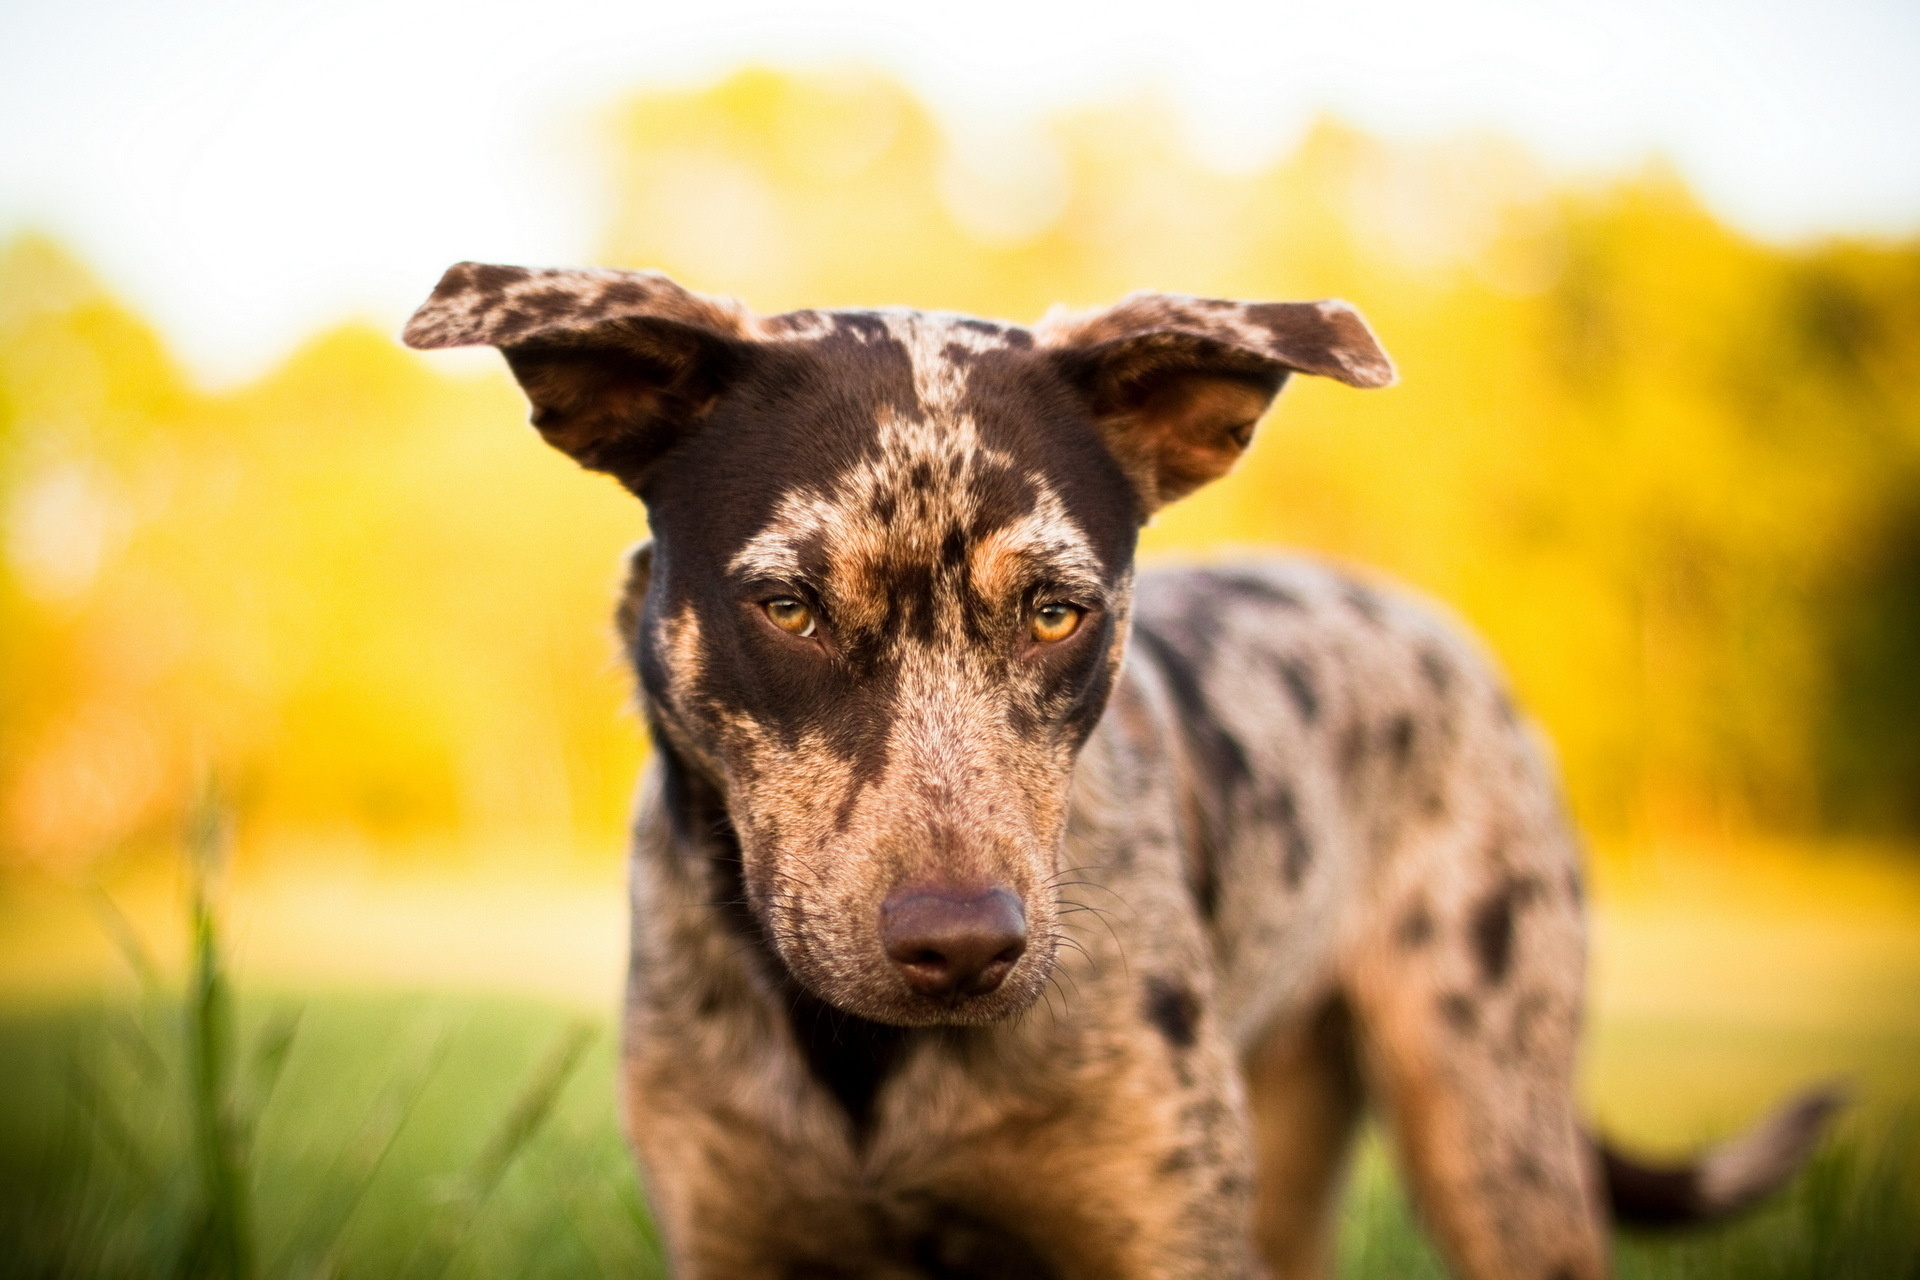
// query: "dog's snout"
[[950, 944]]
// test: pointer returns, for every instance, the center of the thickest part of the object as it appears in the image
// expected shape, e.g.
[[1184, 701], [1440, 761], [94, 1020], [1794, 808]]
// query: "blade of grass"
[[117, 1134], [270, 1051], [126, 939], [530, 1110], [373, 1141], [522, 1121], [219, 1244], [138, 1047]]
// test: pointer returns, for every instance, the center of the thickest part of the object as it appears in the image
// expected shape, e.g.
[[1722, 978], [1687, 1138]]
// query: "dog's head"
[[887, 591]]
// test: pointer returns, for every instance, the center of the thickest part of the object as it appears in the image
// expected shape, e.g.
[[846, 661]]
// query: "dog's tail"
[[1723, 1179]]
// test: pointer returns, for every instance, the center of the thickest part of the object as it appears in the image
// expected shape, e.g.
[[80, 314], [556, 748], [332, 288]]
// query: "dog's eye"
[[1054, 622], [790, 615]]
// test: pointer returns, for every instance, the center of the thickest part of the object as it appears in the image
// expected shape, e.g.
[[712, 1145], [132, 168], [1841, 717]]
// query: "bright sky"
[[246, 171]]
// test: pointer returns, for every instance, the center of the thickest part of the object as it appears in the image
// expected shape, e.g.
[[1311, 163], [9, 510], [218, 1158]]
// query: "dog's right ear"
[[617, 364]]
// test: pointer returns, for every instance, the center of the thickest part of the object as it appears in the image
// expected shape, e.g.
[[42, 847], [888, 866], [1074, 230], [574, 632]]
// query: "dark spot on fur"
[[1434, 805], [1220, 765], [1576, 889], [861, 326], [547, 304], [1253, 587], [1503, 707], [1365, 602], [1233, 1185], [1492, 927], [958, 1245], [1300, 686], [843, 812], [1298, 857], [491, 278], [1173, 1009], [1400, 733], [1492, 934], [1460, 1014], [1438, 671], [624, 293], [1416, 927], [1178, 1160]]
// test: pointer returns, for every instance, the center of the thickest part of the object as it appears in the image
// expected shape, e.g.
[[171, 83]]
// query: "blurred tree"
[[1670, 474]]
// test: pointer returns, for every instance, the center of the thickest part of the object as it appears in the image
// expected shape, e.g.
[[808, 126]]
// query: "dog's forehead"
[[945, 469]]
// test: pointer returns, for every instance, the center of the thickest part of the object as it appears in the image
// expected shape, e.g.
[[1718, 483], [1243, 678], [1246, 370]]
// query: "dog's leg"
[[1469, 1010], [1304, 1090]]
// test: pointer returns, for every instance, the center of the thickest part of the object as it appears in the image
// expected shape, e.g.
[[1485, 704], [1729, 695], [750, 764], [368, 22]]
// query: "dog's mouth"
[[994, 996], [1017, 993]]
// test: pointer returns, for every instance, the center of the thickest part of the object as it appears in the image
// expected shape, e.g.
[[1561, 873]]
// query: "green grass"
[[426, 1136], [1853, 1215], [188, 1132], [405, 1136]]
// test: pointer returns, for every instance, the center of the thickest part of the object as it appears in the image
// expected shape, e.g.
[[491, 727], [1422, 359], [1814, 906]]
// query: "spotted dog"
[[997, 914]]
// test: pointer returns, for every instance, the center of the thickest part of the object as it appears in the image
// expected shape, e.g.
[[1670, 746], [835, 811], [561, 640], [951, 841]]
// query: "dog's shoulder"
[[1284, 671]]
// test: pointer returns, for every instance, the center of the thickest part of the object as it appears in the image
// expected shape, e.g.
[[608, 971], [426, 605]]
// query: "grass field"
[[171, 1124]]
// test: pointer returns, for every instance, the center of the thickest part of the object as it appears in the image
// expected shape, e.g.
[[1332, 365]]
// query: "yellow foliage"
[[1668, 473]]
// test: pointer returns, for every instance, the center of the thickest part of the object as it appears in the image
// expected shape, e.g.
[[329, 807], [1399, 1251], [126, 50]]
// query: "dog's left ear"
[[617, 364], [1175, 384]]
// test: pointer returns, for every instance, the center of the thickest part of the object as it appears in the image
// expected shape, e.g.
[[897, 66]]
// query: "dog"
[[997, 914]]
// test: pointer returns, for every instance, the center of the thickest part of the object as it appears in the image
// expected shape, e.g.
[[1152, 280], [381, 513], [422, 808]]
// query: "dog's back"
[[1344, 748]]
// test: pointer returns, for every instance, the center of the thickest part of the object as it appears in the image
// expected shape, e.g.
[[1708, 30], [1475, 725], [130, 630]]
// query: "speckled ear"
[[1176, 384], [616, 363]]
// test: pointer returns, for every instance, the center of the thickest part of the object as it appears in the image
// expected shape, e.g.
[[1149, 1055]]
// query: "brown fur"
[[1279, 842]]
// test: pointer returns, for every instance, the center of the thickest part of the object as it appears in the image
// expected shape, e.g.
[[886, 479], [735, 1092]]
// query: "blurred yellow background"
[[1671, 475]]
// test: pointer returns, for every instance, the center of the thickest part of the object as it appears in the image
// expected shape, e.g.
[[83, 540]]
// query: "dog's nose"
[[953, 944]]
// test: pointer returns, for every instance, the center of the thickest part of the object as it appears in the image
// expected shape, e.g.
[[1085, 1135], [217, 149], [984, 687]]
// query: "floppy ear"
[[1175, 384], [616, 363]]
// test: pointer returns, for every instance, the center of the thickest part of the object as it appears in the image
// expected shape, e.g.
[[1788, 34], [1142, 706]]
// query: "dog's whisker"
[[1064, 940], [1066, 973], [1101, 914], [1078, 867], [1091, 884], [1052, 1014], [1053, 980]]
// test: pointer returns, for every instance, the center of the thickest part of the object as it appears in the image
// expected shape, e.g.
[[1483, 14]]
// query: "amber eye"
[[1054, 622], [790, 615]]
